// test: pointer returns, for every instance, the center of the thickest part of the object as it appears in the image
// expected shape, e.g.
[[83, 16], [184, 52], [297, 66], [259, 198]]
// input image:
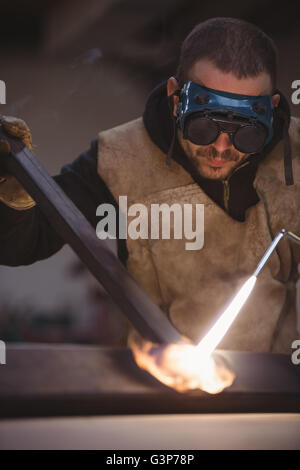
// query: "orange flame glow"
[[184, 366], [181, 367]]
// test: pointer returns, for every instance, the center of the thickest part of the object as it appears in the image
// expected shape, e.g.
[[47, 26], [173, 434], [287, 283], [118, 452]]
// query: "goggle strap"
[[288, 163], [172, 145], [171, 101], [174, 121]]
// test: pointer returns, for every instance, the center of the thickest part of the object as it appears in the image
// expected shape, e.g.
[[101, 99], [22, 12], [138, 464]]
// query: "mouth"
[[217, 163]]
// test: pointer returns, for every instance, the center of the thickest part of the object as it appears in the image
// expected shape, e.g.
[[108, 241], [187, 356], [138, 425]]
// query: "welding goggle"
[[203, 114]]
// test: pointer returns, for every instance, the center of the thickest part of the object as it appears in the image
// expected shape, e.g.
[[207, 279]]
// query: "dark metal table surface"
[[74, 380]]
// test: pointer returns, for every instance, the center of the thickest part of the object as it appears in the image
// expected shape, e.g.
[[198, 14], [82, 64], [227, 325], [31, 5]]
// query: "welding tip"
[[283, 233]]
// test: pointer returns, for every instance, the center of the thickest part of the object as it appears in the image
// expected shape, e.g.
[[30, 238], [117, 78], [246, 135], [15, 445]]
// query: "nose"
[[222, 142]]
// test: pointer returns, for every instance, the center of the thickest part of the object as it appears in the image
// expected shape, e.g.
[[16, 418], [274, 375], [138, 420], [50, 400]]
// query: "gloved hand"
[[11, 192]]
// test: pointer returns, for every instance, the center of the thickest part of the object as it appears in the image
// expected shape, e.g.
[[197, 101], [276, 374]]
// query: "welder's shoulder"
[[125, 141], [131, 163], [124, 150], [126, 129]]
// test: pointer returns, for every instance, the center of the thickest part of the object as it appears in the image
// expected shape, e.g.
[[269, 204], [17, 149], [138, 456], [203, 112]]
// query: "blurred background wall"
[[73, 68]]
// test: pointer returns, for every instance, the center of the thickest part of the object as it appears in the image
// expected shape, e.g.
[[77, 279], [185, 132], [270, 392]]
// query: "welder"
[[218, 133]]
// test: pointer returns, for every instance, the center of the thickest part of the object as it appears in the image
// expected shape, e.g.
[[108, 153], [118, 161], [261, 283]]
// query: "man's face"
[[219, 159]]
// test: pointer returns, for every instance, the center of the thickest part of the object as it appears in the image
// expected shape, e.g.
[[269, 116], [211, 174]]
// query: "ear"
[[172, 86], [275, 100]]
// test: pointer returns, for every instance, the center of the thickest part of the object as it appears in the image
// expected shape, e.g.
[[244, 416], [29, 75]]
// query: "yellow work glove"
[[11, 192]]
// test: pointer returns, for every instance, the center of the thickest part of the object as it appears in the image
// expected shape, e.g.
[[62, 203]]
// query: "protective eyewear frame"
[[243, 132]]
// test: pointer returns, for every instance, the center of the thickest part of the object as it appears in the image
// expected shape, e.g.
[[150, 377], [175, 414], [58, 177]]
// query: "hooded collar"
[[235, 194]]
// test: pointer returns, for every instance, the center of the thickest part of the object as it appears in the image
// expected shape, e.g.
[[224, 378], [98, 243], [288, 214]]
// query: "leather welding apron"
[[193, 287]]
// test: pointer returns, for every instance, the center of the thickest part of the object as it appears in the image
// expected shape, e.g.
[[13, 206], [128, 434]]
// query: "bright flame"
[[180, 366], [185, 366], [208, 344]]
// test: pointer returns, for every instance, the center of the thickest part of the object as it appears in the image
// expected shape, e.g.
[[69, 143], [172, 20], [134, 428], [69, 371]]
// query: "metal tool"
[[74, 228], [283, 233]]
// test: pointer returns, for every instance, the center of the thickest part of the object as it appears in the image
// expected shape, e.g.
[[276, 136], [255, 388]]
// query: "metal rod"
[[74, 229], [283, 233], [293, 237]]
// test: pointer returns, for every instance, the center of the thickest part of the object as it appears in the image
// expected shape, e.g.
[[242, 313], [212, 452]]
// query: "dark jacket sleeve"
[[26, 236]]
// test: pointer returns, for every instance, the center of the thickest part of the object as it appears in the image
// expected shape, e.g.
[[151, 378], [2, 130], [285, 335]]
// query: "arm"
[[26, 236]]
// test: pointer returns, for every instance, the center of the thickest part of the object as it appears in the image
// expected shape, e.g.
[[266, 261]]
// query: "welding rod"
[[73, 228], [283, 233]]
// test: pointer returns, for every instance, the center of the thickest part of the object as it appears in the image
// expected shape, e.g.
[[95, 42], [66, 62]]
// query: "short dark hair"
[[233, 45]]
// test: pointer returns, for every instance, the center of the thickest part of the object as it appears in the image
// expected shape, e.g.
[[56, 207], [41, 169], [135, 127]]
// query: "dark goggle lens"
[[204, 131], [249, 139], [201, 131]]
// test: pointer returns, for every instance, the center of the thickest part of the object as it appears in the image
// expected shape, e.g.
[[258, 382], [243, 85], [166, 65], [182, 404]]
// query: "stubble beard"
[[199, 158]]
